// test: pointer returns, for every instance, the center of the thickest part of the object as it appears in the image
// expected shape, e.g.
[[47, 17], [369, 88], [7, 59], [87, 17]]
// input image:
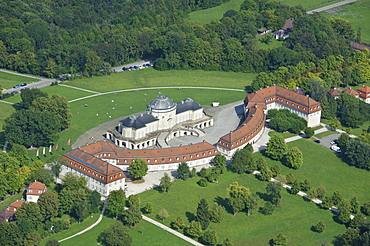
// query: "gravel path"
[[334, 5]]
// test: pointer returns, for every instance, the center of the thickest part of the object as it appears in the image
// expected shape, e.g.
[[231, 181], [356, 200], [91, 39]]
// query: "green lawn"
[[206, 16], [357, 13], [322, 166], [294, 217], [283, 134], [9, 200], [75, 228], [8, 80], [5, 111], [325, 134], [85, 118], [143, 234], [152, 78], [274, 43], [358, 131], [69, 93]]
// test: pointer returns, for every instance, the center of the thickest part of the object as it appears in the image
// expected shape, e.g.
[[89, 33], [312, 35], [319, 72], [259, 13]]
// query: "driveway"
[[325, 141]]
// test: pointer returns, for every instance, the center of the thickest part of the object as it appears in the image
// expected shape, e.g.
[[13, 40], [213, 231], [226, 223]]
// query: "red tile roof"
[[351, 92], [364, 91], [36, 189], [334, 92], [288, 24], [15, 205], [5, 214]]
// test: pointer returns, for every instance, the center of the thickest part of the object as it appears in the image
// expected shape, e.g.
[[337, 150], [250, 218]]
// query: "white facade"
[[94, 184]]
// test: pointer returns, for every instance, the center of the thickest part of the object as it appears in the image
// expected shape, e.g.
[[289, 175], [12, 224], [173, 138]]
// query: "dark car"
[[317, 141], [15, 92], [16, 86], [136, 67], [24, 84]]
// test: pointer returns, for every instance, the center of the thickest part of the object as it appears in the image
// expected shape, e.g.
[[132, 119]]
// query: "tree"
[[273, 189], [320, 191], [268, 209], [219, 160], [351, 237], [366, 208], [42, 175], [276, 147], [116, 203], [294, 158], [133, 201], [358, 154], [343, 140], [344, 208], [355, 205], [116, 235], [309, 131], [203, 215], [280, 239], [165, 183], [202, 182], [194, 230], [334, 123], [336, 198], [138, 168], [149, 208], [29, 95], [163, 214], [241, 160], [29, 128], [210, 238], [305, 185], [227, 242], [21, 153], [30, 212], [73, 181], [276, 170], [183, 171], [49, 205], [238, 196], [216, 213], [132, 216], [10, 234], [81, 210], [53, 242], [320, 226], [357, 221], [295, 187], [290, 179], [178, 223]]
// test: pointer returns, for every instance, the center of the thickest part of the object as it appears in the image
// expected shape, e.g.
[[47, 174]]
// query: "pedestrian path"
[[77, 88], [88, 228], [6, 102], [176, 233]]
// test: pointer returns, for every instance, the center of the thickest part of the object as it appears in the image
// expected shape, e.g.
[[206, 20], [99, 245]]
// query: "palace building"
[[256, 106], [163, 121]]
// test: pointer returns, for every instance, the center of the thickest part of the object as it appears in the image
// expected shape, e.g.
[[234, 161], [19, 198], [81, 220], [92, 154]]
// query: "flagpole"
[[50, 148], [43, 151], [37, 152]]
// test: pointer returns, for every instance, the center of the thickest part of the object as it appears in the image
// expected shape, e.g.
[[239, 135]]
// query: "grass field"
[[9, 200], [5, 111], [283, 134], [153, 78], [143, 234], [85, 118], [274, 43], [322, 166], [357, 13], [73, 229], [8, 80], [325, 134], [294, 217]]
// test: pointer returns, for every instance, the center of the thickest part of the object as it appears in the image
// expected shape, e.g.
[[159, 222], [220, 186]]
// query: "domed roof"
[[161, 102]]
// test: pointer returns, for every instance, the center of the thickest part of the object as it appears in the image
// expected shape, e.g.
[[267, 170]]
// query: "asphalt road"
[[325, 141], [334, 5]]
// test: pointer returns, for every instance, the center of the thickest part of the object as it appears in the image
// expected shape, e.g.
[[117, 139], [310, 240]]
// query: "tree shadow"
[[337, 241], [190, 216], [313, 228], [263, 196], [225, 203]]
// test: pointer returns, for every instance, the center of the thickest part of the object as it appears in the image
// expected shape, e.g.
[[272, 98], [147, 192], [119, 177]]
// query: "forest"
[[50, 38]]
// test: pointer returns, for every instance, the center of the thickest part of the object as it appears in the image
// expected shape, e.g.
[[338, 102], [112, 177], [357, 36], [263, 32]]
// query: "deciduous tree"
[[183, 171], [210, 237], [116, 235], [49, 205], [178, 223], [138, 168], [294, 158], [116, 203], [165, 183], [163, 214], [320, 226], [276, 147], [195, 229], [273, 189], [238, 196]]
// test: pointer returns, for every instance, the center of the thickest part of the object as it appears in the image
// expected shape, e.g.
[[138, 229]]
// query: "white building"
[[163, 120], [34, 191]]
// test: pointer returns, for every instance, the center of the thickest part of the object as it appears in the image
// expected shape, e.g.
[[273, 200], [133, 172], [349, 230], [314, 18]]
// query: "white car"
[[335, 148]]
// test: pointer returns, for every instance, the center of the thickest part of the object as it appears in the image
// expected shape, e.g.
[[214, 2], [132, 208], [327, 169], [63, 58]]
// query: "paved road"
[[139, 63], [331, 6], [39, 82]]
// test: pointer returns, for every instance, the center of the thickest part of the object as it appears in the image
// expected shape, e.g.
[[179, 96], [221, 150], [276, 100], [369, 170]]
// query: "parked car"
[[335, 148], [317, 141], [15, 92], [24, 84], [334, 142], [16, 86], [3, 90]]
